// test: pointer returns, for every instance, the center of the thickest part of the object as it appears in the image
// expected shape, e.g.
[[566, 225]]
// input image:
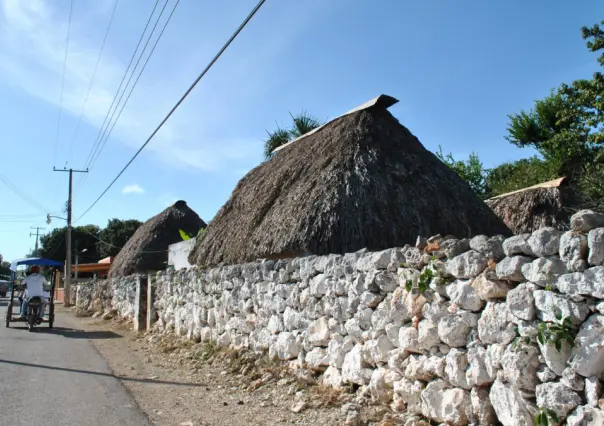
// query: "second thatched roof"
[[362, 180], [547, 204], [147, 249]]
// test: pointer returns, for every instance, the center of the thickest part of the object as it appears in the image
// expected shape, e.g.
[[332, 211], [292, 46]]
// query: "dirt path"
[[180, 383]]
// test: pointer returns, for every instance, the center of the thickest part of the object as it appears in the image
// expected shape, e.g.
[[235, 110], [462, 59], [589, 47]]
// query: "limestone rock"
[[509, 406], [510, 268], [521, 303], [453, 330], [410, 393], [588, 353], [318, 332], [380, 391], [427, 336], [572, 380], [573, 250], [557, 397], [589, 283], [491, 248], [488, 287], [477, 374], [482, 407], [595, 242], [464, 295], [443, 404], [545, 374], [455, 247], [337, 350], [593, 391], [332, 377], [549, 303], [556, 360], [456, 364], [408, 340], [520, 366], [354, 368], [518, 245], [585, 416], [544, 270], [467, 265], [586, 220], [318, 357], [545, 241], [376, 351], [286, 347], [493, 325]]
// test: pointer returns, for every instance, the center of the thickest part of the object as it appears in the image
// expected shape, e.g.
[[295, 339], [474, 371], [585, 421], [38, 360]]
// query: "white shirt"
[[35, 285]]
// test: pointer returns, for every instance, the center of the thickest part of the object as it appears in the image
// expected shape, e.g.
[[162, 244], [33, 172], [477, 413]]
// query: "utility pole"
[[66, 299], [37, 234]]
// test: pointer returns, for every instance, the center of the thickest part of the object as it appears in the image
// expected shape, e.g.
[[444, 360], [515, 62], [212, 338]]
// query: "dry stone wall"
[[114, 296], [475, 331]]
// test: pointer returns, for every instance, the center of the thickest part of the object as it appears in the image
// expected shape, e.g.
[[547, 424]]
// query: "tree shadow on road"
[[99, 373], [73, 333]]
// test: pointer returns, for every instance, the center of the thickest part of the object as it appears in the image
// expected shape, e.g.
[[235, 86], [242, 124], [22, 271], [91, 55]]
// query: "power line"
[[98, 136], [6, 181], [180, 101], [93, 76], [114, 246], [63, 81], [138, 77]]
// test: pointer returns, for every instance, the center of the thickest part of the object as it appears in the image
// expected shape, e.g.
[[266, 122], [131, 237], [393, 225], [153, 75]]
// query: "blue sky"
[[458, 68]]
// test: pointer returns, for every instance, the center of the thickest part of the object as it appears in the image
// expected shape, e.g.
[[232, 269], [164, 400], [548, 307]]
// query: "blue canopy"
[[34, 261]]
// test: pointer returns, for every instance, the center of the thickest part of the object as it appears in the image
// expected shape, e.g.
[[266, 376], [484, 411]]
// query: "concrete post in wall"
[[140, 304], [150, 300]]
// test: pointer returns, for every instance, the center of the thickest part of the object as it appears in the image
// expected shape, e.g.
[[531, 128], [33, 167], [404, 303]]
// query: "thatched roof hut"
[[361, 180], [547, 204], [147, 249]]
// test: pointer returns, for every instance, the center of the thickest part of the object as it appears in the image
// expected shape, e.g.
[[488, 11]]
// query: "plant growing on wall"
[[556, 333], [544, 416], [430, 273]]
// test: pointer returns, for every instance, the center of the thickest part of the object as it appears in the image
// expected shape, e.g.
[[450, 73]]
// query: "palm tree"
[[302, 124]]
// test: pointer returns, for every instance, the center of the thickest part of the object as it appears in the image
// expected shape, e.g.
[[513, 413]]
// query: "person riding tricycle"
[[34, 296]]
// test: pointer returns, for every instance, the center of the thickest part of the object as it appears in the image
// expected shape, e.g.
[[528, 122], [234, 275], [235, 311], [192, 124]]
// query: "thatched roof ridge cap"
[[380, 101], [555, 183]]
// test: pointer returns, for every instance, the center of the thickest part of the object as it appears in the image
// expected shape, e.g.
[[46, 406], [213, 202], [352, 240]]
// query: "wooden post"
[[140, 304], [150, 300]]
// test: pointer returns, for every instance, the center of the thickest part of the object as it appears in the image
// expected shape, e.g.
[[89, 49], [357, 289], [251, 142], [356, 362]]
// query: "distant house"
[[360, 181], [548, 204]]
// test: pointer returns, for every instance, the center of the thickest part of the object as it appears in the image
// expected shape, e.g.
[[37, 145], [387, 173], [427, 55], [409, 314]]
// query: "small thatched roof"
[[362, 180], [147, 249], [544, 205]]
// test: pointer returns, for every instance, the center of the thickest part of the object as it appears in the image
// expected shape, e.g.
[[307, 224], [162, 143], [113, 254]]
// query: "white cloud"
[[133, 189], [32, 48]]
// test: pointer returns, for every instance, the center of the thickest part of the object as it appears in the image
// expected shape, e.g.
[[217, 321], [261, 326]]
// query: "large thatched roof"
[[147, 250], [547, 204], [362, 180]]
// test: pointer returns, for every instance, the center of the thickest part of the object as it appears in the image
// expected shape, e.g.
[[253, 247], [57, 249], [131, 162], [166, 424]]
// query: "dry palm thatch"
[[544, 205], [362, 180], [147, 249]]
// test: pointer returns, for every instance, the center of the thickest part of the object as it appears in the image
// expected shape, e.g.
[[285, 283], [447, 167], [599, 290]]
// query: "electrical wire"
[[114, 246], [93, 76], [96, 142], [180, 101], [137, 79], [6, 181], [63, 82]]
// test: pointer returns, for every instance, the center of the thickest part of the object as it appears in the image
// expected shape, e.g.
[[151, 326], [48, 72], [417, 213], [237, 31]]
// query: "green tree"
[[567, 128], [115, 236], [4, 269], [471, 171], [52, 245], [515, 175], [301, 124]]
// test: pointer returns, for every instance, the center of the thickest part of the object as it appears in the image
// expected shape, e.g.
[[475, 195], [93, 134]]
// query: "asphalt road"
[[57, 377]]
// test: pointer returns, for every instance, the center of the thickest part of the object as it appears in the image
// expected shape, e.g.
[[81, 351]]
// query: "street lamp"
[[76, 261]]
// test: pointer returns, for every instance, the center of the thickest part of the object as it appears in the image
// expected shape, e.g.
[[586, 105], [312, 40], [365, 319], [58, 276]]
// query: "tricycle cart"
[[13, 286]]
